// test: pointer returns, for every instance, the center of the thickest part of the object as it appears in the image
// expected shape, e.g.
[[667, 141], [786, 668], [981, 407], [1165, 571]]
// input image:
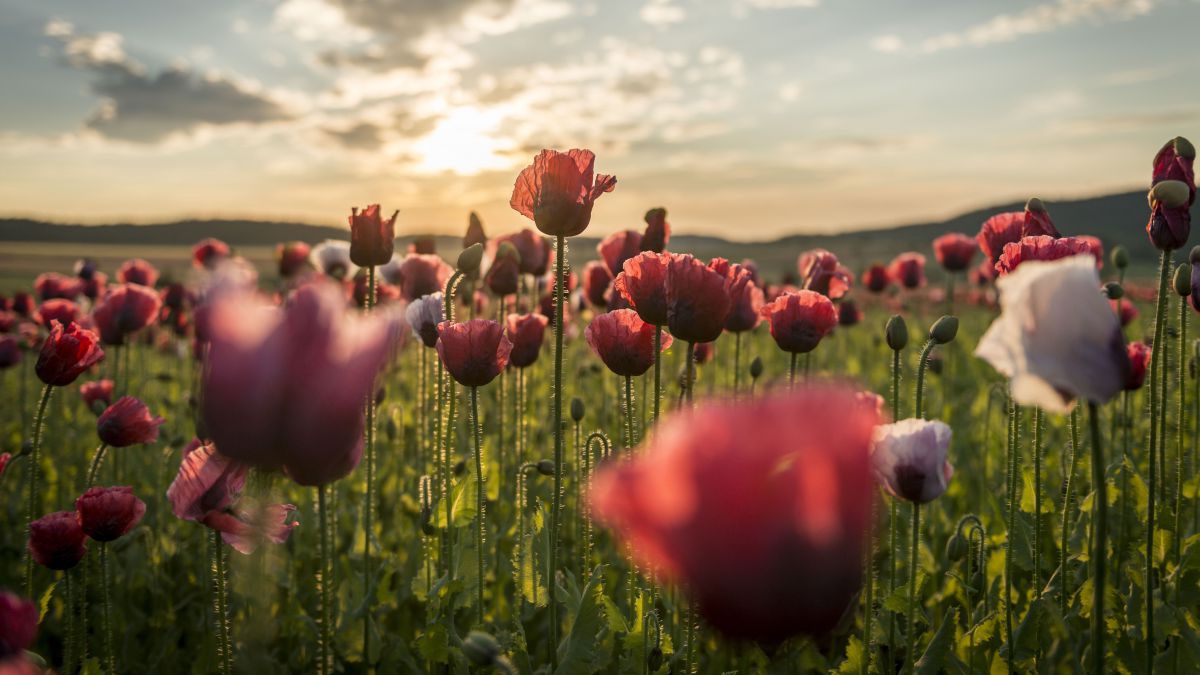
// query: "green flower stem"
[[560, 268], [1014, 425], [480, 494], [922, 365], [1181, 421], [110, 658], [911, 654], [893, 513], [1156, 365], [1100, 516], [220, 606], [369, 499], [1037, 499], [792, 372], [737, 363], [325, 644], [690, 370], [33, 481], [869, 598], [97, 460], [1063, 591]]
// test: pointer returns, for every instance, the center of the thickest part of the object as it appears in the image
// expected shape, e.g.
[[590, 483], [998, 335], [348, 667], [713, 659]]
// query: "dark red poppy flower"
[[624, 342], [954, 251], [292, 257], [1172, 195], [23, 304], [1095, 246], [173, 296], [875, 278], [998, 231], [474, 352], [10, 351], [799, 319], [56, 541], [97, 394], [8, 321], [58, 309], [423, 246], [474, 234], [109, 513], [618, 247], [18, 628], [422, 274], [704, 352], [1125, 310], [848, 313], [52, 285], [760, 508], [137, 271], [503, 276], [596, 280], [372, 239], [94, 286], [820, 271], [643, 284], [1043, 248], [208, 253], [125, 309], [526, 332], [745, 298], [1139, 360], [697, 302], [658, 231], [67, 353], [128, 422], [1037, 221], [557, 191], [908, 270]]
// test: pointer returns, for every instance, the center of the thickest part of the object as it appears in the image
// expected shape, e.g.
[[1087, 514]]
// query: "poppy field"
[[980, 457]]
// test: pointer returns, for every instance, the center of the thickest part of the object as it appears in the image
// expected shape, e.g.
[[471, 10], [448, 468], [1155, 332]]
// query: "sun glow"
[[465, 142]]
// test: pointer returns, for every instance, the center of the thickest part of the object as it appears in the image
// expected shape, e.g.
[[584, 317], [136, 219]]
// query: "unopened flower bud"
[[577, 409], [480, 648], [460, 467], [1172, 194], [391, 429], [1034, 204], [654, 659], [756, 367], [545, 467], [1184, 148], [897, 333], [1114, 291], [977, 581], [469, 259], [1183, 280], [944, 330], [956, 548], [1119, 257]]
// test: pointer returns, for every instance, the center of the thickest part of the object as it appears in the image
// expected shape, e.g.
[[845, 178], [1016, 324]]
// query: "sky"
[[747, 119]]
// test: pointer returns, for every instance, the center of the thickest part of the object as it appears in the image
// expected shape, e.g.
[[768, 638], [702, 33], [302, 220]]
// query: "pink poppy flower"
[[526, 332], [1139, 361], [109, 513], [423, 274], [745, 298], [474, 352], [137, 271], [18, 629], [56, 541], [643, 284], [998, 231], [58, 309], [596, 279], [52, 285], [908, 270], [799, 320], [128, 422], [820, 271], [1037, 221], [623, 342], [658, 231], [875, 278], [618, 247], [1172, 195], [1125, 310], [697, 302], [10, 352], [97, 394], [558, 190], [292, 258], [125, 309], [503, 275], [1043, 248], [67, 353], [208, 253], [848, 313], [954, 251]]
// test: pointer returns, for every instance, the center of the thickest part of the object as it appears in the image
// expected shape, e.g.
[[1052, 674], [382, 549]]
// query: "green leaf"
[[855, 655], [44, 603], [939, 647], [582, 650]]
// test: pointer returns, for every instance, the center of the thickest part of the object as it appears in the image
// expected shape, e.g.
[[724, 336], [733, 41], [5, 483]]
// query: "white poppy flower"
[[909, 459], [332, 258]]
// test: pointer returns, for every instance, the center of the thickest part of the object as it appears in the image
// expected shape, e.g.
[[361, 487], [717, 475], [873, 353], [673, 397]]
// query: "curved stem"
[[480, 495], [560, 268], [97, 460], [912, 587], [33, 481], [1157, 364], [922, 364], [1100, 511]]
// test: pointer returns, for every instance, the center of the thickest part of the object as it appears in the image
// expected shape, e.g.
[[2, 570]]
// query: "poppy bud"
[[944, 330], [1183, 280], [1119, 257], [756, 367], [577, 409], [391, 430], [897, 333], [460, 467], [654, 659], [977, 580], [1172, 194], [545, 467], [1114, 291], [1034, 204], [480, 648], [956, 548], [469, 259]]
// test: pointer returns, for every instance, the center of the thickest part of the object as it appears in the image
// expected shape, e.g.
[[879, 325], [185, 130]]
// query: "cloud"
[[661, 13], [1043, 18], [1122, 78], [1168, 120], [790, 92], [888, 44], [778, 4], [143, 107]]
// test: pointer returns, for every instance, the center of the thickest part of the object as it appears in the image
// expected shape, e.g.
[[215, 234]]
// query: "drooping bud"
[[956, 548], [1034, 204], [480, 648], [1119, 257], [1183, 280], [944, 330], [756, 367], [577, 409], [1114, 291], [469, 259], [654, 659], [545, 467], [897, 333]]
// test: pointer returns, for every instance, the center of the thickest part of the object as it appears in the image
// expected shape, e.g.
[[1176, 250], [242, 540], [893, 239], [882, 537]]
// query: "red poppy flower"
[[422, 274], [643, 284], [624, 342], [292, 257], [1037, 221], [504, 274], [697, 302], [52, 285], [109, 513], [1125, 310], [207, 481], [94, 286], [1139, 360], [137, 271], [8, 321], [474, 352], [745, 298], [372, 239], [58, 309], [67, 353], [820, 271], [56, 541], [128, 422], [908, 270], [97, 394], [208, 253], [618, 247], [596, 279], [557, 191], [125, 309], [799, 320], [23, 304], [875, 278], [1042, 248], [658, 231], [615, 300], [244, 528], [1170, 203], [998, 231], [18, 627], [954, 251], [759, 508], [474, 234], [848, 313], [526, 332], [10, 351]]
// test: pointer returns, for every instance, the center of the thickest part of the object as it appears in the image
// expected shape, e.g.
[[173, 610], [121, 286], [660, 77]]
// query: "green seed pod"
[[956, 548], [1184, 148], [1114, 291], [480, 648], [545, 467], [1172, 194], [896, 332], [756, 367], [977, 581], [469, 259], [507, 250], [1183, 280], [944, 330], [577, 409], [1119, 257]]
